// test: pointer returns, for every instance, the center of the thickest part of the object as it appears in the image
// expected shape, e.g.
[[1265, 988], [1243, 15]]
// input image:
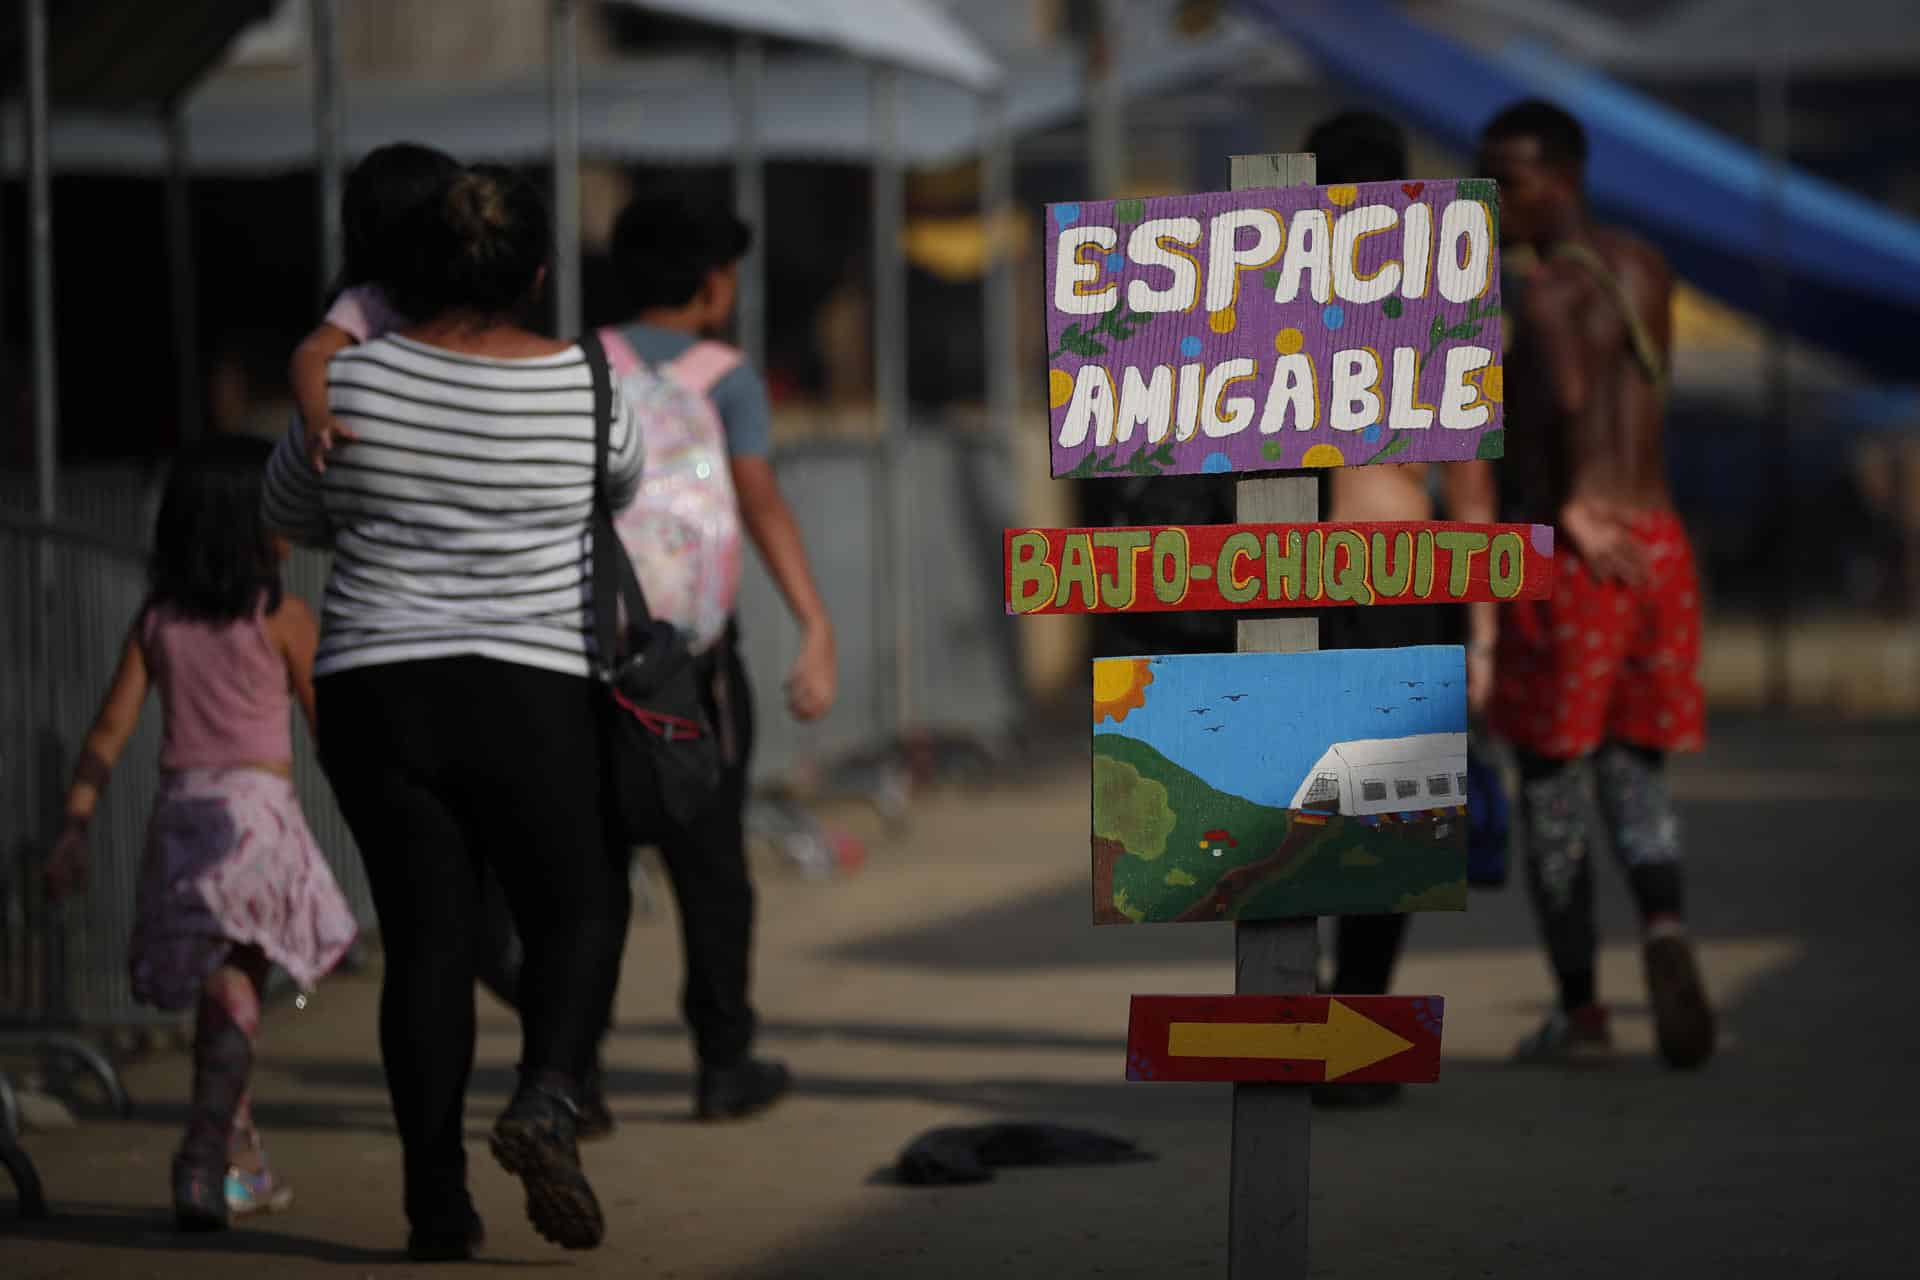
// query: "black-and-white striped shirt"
[[459, 517]]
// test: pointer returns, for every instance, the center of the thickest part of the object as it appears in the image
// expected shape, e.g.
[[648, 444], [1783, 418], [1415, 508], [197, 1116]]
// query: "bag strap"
[[701, 366], [614, 580], [1645, 353]]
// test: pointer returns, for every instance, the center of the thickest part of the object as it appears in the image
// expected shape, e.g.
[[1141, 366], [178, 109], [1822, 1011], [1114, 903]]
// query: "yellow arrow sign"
[[1347, 1041]]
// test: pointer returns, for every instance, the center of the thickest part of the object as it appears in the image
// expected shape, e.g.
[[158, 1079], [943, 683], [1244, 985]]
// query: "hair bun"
[[477, 205]]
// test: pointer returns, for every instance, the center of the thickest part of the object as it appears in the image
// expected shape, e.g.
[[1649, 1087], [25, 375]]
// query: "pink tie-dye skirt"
[[230, 862]]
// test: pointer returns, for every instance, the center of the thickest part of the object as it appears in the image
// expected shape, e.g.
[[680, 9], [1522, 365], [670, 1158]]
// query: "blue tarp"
[[1713, 205]]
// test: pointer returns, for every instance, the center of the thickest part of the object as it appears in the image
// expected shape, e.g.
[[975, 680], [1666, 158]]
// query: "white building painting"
[[1421, 772]]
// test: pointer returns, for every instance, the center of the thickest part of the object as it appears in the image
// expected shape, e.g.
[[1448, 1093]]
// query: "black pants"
[[447, 770], [706, 860], [1366, 948]]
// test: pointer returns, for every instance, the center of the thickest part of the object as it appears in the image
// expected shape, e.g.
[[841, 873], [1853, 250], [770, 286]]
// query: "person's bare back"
[[1594, 399]]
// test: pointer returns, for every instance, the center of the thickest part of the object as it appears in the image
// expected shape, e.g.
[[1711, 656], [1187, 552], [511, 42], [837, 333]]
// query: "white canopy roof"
[[905, 33], [665, 109]]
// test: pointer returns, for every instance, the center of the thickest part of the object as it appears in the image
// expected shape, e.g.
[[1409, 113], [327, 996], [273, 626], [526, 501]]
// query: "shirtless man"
[[1359, 146], [1601, 678]]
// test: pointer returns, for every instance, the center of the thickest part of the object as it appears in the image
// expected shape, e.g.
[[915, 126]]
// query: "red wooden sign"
[[1285, 1039], [1169, 568]]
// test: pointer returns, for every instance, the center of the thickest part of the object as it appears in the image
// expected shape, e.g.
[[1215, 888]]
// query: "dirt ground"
[[955, 980]]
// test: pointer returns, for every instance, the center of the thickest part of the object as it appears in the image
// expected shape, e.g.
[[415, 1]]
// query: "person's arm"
[[626, 456], [1555, 303], [1469, 492], [297, 635], [291, 500], [307, 372], [814, 681], [112, 727]]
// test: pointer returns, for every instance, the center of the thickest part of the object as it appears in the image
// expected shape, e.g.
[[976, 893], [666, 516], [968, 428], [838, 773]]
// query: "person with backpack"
[[706, 426]]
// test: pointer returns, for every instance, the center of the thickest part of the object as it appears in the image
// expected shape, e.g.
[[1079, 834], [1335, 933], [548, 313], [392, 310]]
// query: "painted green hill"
[[1162, 814]]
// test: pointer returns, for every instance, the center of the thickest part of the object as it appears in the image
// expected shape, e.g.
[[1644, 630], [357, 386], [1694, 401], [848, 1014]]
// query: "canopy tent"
[[1730, 221], [910, 34], [678, 109]]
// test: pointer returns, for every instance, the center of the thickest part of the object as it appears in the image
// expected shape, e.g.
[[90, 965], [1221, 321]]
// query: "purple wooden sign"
[[1271, 329]]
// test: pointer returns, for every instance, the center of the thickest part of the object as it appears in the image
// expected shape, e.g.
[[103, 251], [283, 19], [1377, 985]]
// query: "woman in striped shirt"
[[458, 716]]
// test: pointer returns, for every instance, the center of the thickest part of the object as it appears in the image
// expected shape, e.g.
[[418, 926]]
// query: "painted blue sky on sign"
[[1252, 724]]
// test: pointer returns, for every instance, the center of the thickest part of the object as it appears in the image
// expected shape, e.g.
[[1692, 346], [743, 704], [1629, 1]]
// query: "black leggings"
[[1636, 806], [706, 859], [446, 769]]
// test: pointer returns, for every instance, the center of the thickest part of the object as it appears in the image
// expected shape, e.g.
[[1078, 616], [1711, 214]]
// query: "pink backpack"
[[683, 530]]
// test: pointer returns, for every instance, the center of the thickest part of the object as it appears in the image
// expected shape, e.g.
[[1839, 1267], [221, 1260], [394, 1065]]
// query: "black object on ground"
[[970, 1153]]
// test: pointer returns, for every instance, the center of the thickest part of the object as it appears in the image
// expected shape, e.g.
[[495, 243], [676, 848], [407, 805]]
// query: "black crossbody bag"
[[662, 755]]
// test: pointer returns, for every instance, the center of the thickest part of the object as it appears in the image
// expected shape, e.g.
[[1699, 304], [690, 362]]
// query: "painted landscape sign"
[[1275, 328], [1260, 1039], [1165, 568], [1246, 786]]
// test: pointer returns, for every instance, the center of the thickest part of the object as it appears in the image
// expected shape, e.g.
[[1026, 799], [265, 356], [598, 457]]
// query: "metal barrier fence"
[[69, 965]]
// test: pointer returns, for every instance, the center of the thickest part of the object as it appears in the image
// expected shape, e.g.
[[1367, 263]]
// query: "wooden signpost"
[[1279, 326], [1177, 568]]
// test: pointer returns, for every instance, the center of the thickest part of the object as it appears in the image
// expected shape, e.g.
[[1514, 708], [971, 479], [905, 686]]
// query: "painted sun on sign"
[[1272, 785]]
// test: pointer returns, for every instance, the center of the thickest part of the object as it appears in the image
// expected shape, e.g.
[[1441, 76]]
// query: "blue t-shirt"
[[740, 398]]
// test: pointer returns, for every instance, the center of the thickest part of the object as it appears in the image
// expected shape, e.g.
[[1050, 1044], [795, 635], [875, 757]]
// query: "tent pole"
[[893, 619], [40, 263], [996, 209], [750, 197], [1106, 125], [326, 139], [1772, 99], [186, 310], [563, 51], [48, 761]]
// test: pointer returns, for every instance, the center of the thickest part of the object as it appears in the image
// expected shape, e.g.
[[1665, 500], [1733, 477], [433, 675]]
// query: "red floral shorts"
[[1603, 661]]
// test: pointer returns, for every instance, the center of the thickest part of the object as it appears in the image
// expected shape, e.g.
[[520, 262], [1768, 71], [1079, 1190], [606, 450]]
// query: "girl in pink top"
[[231, 882]]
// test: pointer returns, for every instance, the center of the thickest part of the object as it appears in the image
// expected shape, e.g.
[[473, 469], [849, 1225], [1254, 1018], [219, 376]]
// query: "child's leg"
[[229, 1019]]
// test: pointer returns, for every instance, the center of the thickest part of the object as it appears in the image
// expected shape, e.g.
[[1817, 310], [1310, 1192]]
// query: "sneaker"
[[1565, 1038], [199, 1196], [536, 1140], [730, 1093], [256, 1192], [595, 1119], [1682, 1020], [452, 1244], [1377, 1093]]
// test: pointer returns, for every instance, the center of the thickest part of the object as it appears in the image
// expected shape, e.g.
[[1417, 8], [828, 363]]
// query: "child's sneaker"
[[1581, 1035], [256, 1192]]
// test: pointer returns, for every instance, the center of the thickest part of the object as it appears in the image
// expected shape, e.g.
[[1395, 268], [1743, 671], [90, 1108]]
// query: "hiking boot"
[[1566, 1038], [199, 1196], [536, 1140], [1682, 1020], [1376, 1093], [595, 1118], [730, 1093], [456, 1242]]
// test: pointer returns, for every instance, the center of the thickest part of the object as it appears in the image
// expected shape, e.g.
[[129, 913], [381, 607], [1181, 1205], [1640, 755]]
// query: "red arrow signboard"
[[1285, 1039]]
